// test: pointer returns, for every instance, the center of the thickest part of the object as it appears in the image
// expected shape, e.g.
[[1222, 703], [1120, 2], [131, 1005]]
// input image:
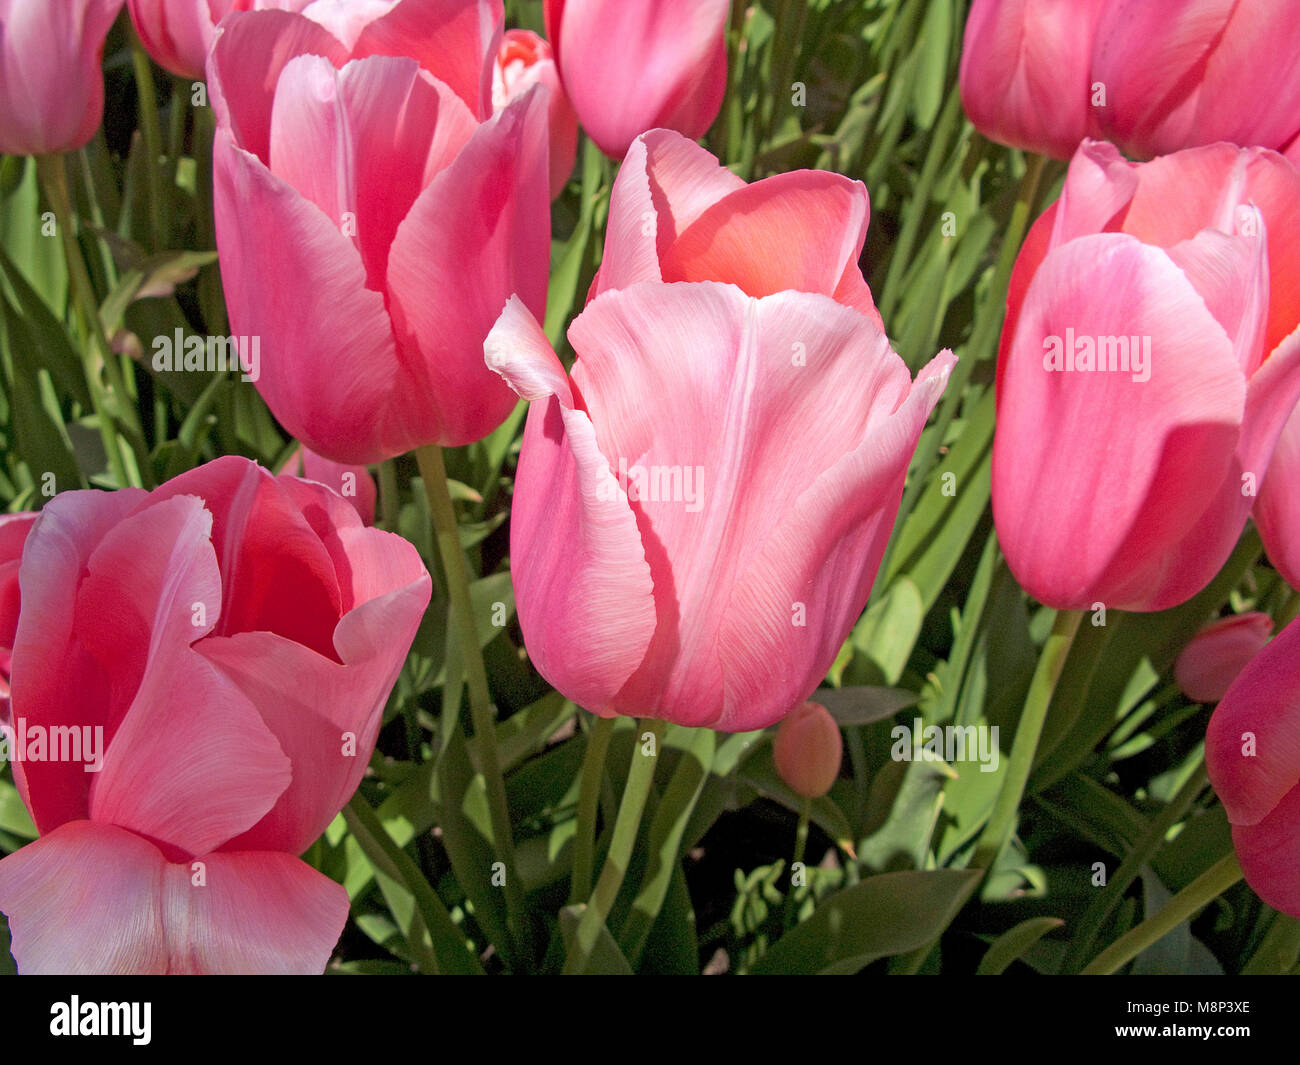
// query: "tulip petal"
[[1158, 450], [74, 695], [258, 913], [1277, 511], [665, 184], [823, 555], [699, 396], [629, 68], [249, 51], [1269, 853], [324, 714], [354, 483], [777, 235], [1215, 656], [478, 234], [583, 588], [330, 367], [1252, 744], [85, 899], [327, 124], [454, 40]]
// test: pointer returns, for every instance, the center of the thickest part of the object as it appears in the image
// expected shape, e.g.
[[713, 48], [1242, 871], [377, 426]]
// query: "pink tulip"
[[371, 228], [1210, 662], [700, 510], [808, 750], [178, 33], [223, 648], [353, 483], [1025, 72], [525, 60], [13, 534], [1277, 511], [1252, 753], [1129, 485], [1183, 73], [677, 214], [630, 65], [51, 87]]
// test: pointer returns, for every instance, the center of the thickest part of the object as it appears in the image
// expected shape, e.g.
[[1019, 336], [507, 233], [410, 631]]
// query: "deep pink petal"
[[1269, 853], [477, 235], [629, 68], [354, 483], [363, 142], [1213, 658], [328, 363], [1101, 468], [74, 695], [249, 50]]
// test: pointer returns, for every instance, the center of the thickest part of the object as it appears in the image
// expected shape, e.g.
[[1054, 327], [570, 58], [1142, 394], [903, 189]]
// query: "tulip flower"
[[199, 675], [353, 483], [630, 66], [371, 228], [51, 87], [1145, 373], [1210, 662], [808, 749], [1252, 754], [1025, 77], [13, 534], [1184, 73], [525, 60], [178, 33], [1277, 511], [677, 214], [700, 509]]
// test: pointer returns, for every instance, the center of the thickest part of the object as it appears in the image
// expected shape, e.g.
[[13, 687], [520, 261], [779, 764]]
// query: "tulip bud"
[[1213, 657], [808, 749]]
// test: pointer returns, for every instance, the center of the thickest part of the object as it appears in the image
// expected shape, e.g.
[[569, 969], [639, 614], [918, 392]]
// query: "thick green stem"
[[640, 777], [1204, 889], [442, 512], [1143, 851], [584, 843], [1037, 702]]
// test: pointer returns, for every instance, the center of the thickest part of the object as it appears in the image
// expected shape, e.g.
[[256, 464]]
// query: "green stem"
[[112, 406], [1041, 688], [442, 512], [584, 843], [1204, 889], [389, 859], [1142, 852], [800, 846], [390, 505], [640, 776], [151, 129]]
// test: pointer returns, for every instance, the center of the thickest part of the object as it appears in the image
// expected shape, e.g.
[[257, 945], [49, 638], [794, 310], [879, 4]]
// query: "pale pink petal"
[[354, 483], [256, 913], [1277, 511], [85, 899], [822, 556], [583, 589]]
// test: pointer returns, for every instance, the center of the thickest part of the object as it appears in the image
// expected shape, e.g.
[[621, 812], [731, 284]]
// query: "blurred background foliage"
[[1117, 815]]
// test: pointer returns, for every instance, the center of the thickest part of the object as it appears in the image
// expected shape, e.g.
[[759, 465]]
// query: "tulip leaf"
[[604, 958], [1011, 946], [863, 704], [14, 817], [884, 915], [759, 772]]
